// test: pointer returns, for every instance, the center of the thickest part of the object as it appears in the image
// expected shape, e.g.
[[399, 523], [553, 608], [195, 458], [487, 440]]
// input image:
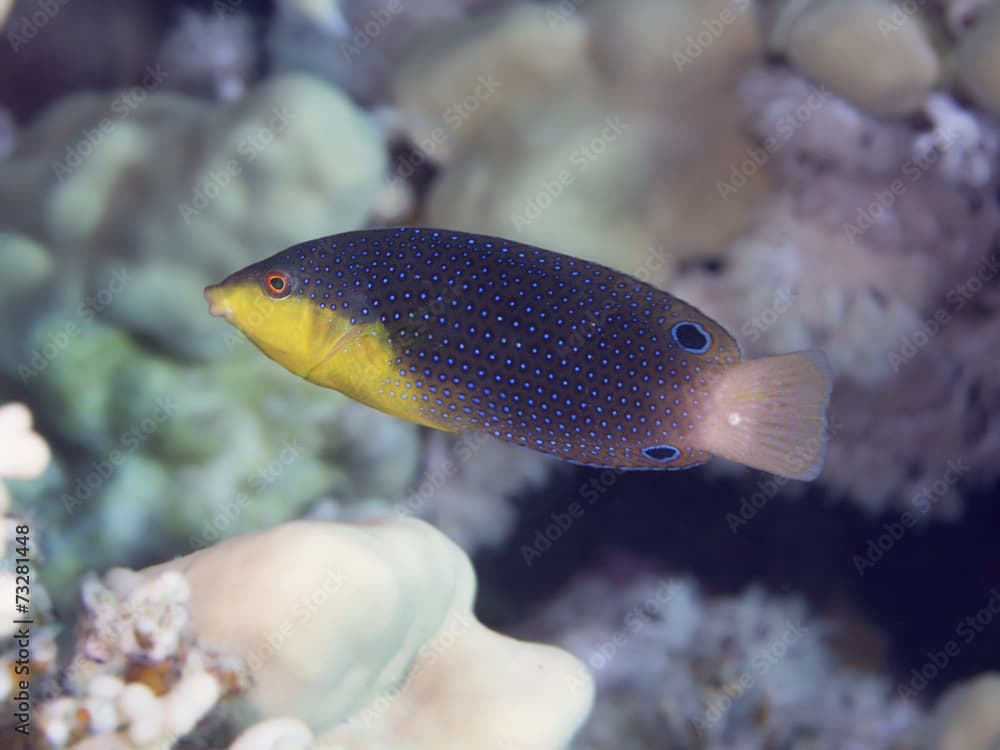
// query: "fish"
[[472, 333]]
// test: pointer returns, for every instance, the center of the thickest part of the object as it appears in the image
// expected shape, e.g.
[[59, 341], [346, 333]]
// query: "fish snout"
[[217, 304]]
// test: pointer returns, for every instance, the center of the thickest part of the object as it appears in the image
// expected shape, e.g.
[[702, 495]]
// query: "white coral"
[[211, 48], [676, 667], [967, 148], [365, 632], [23, 453], [136, 621]]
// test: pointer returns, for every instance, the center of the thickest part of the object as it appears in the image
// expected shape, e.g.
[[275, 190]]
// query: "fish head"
[[265, 302]]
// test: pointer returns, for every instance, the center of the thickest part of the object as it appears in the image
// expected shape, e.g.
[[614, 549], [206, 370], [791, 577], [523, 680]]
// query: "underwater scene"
[[500, 374]]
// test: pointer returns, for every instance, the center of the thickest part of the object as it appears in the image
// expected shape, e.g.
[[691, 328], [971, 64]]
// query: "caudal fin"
[[770, 414]]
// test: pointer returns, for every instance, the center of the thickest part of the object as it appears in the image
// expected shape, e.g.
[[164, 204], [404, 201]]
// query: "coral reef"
[[104, 296], [125, 223], [869, 254], [805, 222], [360, 635], [53, 49], [25, 455], [824, 40], [27, 630], [676, 667], [467, 485], [210, 53], [811, 173], [263, 635], [977, 58], [464, 103], [355, 44], [967, 717], [139, 676]]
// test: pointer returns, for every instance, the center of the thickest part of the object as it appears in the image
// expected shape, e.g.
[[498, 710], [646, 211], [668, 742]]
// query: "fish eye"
[[278, 284]]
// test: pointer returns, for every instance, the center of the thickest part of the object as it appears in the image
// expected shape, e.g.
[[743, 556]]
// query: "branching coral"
[[880, 249], [211, 53], [803, 222], [678, 668], [138, 676], [355, 44]]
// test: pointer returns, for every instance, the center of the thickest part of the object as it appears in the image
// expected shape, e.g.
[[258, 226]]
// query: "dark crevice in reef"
[[919, 592]]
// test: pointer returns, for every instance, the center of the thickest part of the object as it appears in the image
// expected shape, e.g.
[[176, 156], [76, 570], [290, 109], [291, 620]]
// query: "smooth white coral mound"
[[365, 632]]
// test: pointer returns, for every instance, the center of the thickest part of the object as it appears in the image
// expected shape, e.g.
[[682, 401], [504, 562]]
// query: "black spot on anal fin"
[[661, 453]]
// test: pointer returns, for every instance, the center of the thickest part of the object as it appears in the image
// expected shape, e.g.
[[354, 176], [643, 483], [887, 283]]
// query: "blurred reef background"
[[811, 173]]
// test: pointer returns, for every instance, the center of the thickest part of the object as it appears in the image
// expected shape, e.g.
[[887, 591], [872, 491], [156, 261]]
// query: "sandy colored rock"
[[966, 717], [977, 60], [873, 53], [604, 155], [365, 631], [458, 81]]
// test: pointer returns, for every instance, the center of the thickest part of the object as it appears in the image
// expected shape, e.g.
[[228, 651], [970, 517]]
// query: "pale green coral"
[[120, 210], [170, 193]]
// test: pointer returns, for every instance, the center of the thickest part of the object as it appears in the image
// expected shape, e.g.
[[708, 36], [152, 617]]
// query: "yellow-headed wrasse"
[[464, 332]]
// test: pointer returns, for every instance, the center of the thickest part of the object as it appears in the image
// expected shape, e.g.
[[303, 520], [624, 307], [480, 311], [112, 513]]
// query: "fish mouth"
[[217, 304]]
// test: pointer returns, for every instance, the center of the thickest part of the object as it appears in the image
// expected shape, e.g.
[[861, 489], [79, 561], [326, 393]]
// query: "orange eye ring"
[[278, 284]]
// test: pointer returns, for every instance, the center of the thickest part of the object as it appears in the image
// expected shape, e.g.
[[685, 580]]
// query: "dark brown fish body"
[[467, 332]]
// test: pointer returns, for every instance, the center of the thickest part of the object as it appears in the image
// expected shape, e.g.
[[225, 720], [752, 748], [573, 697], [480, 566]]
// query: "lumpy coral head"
[[365, 631]]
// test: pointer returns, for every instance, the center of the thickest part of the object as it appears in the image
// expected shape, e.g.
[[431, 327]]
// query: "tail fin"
[[770, 414]]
